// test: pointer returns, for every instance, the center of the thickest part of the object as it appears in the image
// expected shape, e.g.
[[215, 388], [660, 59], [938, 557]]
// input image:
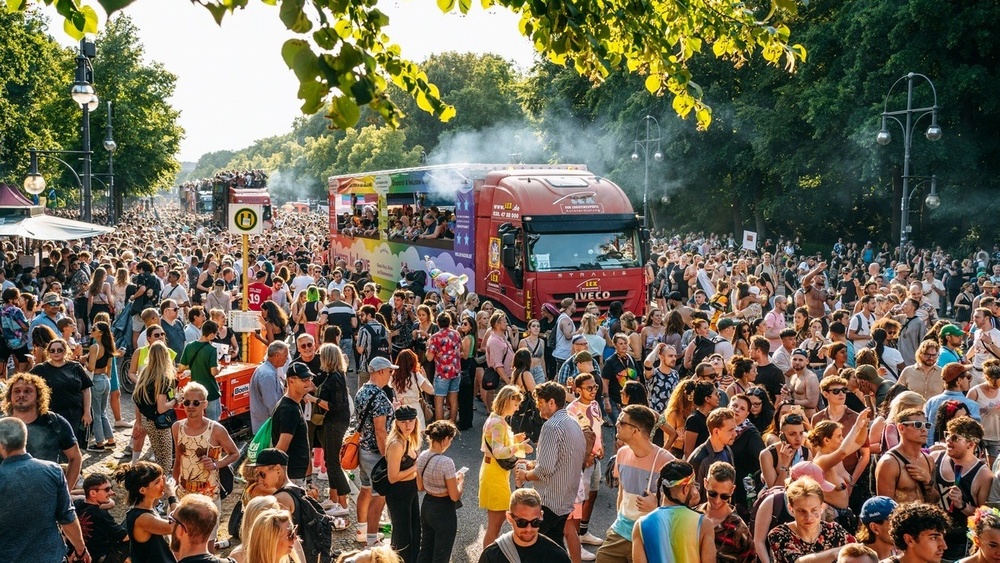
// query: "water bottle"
[[748, 486]]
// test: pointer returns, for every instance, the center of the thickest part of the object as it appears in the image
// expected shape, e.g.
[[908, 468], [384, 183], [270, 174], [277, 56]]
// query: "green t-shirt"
[[201, 357]]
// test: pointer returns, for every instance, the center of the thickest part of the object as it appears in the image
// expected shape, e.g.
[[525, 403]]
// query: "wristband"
[[171, 500]]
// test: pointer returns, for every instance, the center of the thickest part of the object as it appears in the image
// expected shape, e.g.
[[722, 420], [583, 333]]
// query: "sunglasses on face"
[[522, 523], [57, 350], [837, 391], [723, 496], [156, 335], [756, 404], [192, 403], [918, 424], [292, 532]]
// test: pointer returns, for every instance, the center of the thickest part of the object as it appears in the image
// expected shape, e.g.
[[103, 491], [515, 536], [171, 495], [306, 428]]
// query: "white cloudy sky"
[[234, 88]]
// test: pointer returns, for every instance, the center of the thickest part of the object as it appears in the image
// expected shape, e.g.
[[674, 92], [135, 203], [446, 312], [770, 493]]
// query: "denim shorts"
[[367, 461], [442, 386]]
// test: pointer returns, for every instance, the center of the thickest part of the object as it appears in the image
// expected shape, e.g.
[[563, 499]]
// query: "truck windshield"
[[582, 251]]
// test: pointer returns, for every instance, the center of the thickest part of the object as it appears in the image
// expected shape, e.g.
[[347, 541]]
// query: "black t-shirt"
[[67, 384], [334, 392], [287, 418], [314, 364], [613, 373], [697, 422], [543, 549], [100, 531], [770, 378], [48, 436], [848, 290]]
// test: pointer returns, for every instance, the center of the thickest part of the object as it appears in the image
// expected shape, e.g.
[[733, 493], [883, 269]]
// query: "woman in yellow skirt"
[[494, 481]]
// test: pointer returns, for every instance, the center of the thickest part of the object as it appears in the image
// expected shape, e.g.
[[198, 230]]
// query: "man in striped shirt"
[[559, 460]]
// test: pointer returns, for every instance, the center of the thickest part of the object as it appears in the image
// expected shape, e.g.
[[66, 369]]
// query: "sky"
[[232, 85]]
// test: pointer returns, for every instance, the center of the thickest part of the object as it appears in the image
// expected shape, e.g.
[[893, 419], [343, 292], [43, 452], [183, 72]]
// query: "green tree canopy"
[[345, 55]]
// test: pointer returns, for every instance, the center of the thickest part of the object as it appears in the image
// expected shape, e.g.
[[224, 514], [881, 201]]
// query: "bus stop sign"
[[246, 219]]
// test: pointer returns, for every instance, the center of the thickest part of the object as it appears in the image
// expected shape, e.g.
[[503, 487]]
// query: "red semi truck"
[[523, 234]]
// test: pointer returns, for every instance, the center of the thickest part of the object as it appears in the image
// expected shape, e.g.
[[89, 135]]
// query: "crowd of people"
[[188, 192], [767, 406]]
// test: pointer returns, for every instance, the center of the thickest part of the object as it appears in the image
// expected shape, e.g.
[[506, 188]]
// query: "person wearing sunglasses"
[[905, 473], [273, 538], [70, 385], [525, 517], [200, 444], [194, 523], [732, 536], [104, 536], [835, 390]]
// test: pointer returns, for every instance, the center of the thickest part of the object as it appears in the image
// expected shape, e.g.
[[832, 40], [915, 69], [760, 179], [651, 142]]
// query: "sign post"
[[245, 219]]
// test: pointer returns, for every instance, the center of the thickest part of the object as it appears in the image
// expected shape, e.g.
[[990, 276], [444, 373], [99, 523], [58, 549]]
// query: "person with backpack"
[[374, 416], [523, 542], [373, 341], [314, 527], [15, 332], [147, 294]]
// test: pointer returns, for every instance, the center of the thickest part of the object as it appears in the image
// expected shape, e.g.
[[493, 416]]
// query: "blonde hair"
[[265, 535], [415, 438], [331, 358], [903, 401], [801, 488], [158, 375], [196, 387], [506, 394], [253, 509]]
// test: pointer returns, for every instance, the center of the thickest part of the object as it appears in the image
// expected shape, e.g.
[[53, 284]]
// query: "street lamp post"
[[110, 145], [912, 117], [647, 144], [82, 85]]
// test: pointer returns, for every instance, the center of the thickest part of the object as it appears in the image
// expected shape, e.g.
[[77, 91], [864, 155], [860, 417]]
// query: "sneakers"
[[336, 509], [123, 424], [323, 476], [590, 539], [362, 537], [328, 504], [126, 453], [96, 448], [586, 555]]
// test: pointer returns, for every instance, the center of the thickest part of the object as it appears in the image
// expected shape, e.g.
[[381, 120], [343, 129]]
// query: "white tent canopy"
[[48, 227]]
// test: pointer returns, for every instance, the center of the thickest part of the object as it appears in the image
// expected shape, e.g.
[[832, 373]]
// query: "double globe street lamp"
[[85, 96], [911, 116], [647, 144]]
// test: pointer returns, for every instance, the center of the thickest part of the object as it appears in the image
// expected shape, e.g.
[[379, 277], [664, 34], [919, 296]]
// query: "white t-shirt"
[[862, 325], [981, 353], [932, 296], [300, 284]]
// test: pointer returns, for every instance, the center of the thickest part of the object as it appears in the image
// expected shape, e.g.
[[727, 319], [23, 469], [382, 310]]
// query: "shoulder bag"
[[350, 452]]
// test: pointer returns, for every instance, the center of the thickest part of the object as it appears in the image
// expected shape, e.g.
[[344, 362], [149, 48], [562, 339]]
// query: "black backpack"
[[379, 341], [315, 525], [527, 419], [776, 496], [704, 346]]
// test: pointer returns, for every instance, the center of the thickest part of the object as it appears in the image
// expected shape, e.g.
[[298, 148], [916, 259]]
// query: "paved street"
[[465, 452]]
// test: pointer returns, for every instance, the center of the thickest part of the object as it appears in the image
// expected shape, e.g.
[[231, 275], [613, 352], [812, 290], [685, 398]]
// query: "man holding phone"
[[777, 459]]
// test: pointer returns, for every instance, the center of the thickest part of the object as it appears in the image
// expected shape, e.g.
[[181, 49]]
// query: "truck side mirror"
[[508, 254]]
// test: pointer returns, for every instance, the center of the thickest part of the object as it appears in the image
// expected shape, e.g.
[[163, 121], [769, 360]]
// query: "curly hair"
[[913, 518], [42, 389]]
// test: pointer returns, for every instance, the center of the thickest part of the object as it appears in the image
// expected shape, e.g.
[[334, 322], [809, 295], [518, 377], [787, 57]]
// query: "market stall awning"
[[48, 227]]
